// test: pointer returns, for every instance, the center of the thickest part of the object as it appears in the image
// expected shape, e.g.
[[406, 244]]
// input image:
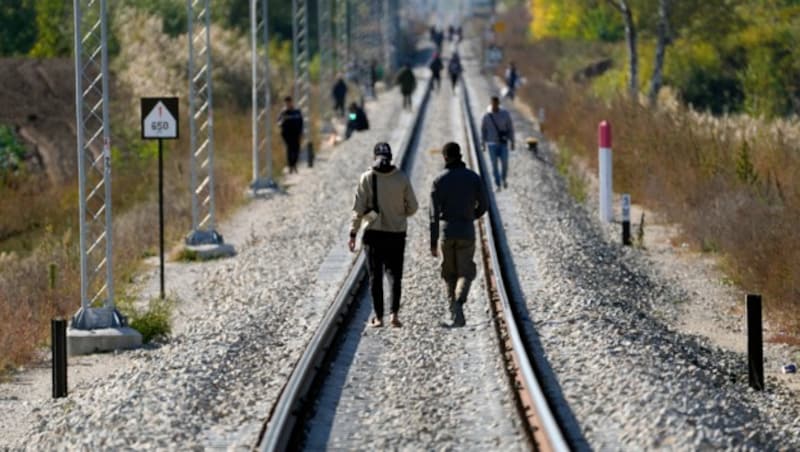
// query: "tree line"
[[718, 55]]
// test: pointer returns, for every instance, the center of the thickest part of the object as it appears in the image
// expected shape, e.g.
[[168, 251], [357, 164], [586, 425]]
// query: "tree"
[[630, 39], [53, 37], [663, 39], [17, 27]]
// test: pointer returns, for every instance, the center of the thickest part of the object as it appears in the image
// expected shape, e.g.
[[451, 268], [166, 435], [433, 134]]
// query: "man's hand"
[[511, 143], [352, 244], [434, 252]]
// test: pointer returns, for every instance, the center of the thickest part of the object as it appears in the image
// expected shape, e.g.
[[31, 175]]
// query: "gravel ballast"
[[213, 383], [426, 384], [601, 314]]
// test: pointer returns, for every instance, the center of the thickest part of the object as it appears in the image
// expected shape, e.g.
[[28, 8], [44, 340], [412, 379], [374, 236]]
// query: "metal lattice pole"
[[300, 64], [262, 133], [201, 125], [342, 35], [94, 166], [389, 33], [326, 44]]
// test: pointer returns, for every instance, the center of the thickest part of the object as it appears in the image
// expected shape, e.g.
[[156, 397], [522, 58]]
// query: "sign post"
[[160, 122]]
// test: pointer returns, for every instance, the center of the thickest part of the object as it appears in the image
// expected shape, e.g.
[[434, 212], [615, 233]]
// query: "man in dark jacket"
[[407, 81], [356, 120], [339, 93], [291, 123], [436, 66], [455, 69], [458, 198]]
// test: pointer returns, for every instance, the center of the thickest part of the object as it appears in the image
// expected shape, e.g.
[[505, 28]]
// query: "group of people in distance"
[[384, 198]]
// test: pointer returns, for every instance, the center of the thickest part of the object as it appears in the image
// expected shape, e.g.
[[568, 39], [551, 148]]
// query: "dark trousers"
[[385, 255], [458, 268], [407, 101], [339, 105], [454, 80], [437, 80], [292, 152]]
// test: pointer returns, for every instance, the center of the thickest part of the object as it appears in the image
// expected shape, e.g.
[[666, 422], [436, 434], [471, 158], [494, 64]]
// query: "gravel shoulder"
[[425, 384], [241, 324], [642, 344]]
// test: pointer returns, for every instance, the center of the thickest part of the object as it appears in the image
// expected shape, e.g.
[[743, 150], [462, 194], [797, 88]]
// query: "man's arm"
[[411, 204], [359, 207], [511, 138], [484, 129], [481, 202], [434, 218]]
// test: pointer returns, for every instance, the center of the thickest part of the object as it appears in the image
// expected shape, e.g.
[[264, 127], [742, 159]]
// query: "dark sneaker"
[[505, 184], [458, 318]]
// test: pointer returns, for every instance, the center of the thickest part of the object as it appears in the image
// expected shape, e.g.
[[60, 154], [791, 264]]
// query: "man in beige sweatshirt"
[[385, 235]]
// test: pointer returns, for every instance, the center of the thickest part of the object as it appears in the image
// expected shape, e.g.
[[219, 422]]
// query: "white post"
[[604, 164]]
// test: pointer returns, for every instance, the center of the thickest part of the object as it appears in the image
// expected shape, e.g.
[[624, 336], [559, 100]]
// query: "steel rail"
[[543, 427], [282, 420]]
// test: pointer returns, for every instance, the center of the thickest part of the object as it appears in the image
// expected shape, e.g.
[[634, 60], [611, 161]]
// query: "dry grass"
[[732, 183], [26, 300]]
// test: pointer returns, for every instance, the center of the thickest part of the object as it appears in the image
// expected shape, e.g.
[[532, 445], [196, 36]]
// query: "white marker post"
[[604, 160], [626, 219]]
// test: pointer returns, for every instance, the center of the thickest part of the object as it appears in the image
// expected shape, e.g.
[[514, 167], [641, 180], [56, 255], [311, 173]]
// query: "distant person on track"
[[497, 134], [291, 123], [458, 198], [436, 67], [373, 78], [455, 69], [512, 80], [408, 83], [356, 120], [385, 199], [339, 94]]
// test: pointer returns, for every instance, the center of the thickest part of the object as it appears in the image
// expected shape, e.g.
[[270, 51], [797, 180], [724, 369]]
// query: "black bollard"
[[626, 219], [755, 350], [58, 329]]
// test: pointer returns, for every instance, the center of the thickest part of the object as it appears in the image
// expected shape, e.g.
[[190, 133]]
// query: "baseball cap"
[[383, 150]]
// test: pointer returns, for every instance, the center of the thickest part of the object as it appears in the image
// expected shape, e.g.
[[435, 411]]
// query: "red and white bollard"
[[604, 163]]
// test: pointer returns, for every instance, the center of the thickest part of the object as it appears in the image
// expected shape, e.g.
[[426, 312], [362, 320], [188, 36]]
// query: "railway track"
[[285, 428]]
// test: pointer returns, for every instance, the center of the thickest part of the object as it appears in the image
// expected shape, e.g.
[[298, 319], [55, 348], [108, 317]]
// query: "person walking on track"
[[385, 199], [455, 69], [291, 123], [408, 83], [436, 67], [497, 134], [458, 198], [339, 94], [512, 80]]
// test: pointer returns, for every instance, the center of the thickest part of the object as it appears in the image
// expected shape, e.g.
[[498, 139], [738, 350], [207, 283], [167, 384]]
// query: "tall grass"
[[733, 184]]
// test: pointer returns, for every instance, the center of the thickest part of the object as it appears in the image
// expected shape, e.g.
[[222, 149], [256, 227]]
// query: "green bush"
[[12, 152], [155, 322]]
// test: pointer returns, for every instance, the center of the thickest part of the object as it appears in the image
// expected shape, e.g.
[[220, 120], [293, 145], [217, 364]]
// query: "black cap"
[[383, 150]]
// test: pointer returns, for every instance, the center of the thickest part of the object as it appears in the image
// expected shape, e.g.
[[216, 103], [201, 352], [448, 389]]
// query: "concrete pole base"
[[208, 244], [84, 342], [263, 188]]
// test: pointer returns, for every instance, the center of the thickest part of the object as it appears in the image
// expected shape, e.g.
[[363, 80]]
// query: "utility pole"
[[262, 183], [94, 167], [203, 237], [302, 83]]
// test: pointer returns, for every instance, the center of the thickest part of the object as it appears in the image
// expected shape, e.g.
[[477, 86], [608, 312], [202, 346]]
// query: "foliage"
[[725, 55], [11, 151], [53, 38], [17, 27], [153, 323]]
